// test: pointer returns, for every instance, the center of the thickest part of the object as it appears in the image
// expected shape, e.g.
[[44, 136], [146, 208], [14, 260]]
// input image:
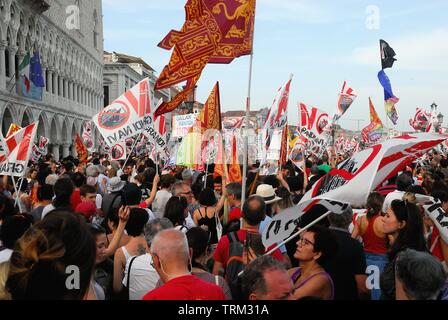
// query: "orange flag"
[[235, 169], [284, 147], [215, 31], [209, 118], [81, 149]]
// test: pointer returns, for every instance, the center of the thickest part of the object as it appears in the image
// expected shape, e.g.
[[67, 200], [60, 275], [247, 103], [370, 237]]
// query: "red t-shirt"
[[75, 199], [222, 250], [234, 214], [186, 288]]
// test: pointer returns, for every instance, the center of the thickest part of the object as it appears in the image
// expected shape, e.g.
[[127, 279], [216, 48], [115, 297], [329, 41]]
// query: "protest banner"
[[18, 148], [353, 180], [182, 124], [127, 116]]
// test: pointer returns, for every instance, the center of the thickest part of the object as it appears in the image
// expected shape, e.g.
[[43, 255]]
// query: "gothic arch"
[[55, 136], [26, 118], [42, 128], [8, 117], [65, 131]]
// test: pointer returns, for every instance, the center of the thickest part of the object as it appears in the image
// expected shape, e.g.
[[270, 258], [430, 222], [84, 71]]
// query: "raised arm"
[[123, 215], [152, 196]]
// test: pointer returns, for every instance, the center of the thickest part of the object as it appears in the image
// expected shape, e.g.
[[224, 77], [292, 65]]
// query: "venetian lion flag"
[[215, 31], [389, 98], [374, 131], [18, 147], [81, 149], [210, 116]]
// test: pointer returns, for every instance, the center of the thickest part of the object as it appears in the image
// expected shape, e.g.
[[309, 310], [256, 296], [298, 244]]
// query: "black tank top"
[[210, 223]]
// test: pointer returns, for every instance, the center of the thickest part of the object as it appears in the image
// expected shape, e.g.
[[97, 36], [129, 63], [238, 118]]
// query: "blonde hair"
[[4, 270], [410, 197]]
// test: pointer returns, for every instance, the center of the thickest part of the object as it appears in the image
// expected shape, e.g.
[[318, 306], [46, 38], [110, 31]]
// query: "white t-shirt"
[[394, 195], [98, 200], [5, 255], [189, 222], [47, 209], [144, 277], [159, 203]]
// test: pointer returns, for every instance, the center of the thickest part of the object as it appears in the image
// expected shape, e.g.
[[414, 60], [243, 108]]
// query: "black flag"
[[387, 55]]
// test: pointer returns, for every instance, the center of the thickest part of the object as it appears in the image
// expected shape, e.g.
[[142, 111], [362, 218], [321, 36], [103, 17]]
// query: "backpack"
[[234, 265]]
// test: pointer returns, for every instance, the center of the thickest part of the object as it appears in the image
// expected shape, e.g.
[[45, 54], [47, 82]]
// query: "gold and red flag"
[[81, 150], [209, 118], [235, 169], [215, 31]]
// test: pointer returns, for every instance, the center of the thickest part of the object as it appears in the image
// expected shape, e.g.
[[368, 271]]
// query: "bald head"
[[171, 247]]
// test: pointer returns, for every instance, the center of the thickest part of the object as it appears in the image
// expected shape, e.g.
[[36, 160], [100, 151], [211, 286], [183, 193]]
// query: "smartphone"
[[253, 240]]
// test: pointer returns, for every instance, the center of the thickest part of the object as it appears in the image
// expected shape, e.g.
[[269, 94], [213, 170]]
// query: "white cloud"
[[421, 51]]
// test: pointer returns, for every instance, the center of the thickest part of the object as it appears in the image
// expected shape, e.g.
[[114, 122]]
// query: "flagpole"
[[206, 172], [17, 194], [132, 149], [246, 147]]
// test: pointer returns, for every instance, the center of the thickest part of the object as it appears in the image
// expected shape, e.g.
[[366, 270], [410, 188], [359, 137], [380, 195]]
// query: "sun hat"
[[266, 191], [115, 184]]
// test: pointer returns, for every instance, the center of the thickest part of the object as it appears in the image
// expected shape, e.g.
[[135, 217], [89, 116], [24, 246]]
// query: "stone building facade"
[[68, 34], [122, 72]]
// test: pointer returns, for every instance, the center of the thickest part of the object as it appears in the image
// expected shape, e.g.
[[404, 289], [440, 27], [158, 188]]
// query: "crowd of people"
[[134, 231]]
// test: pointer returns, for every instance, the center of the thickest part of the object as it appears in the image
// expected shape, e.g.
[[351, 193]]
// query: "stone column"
[[65, 150], [75, 92], [66, 89], [55, 84], [44, 75], [12, 61], [2, 65], [61, 86], [55, 151], [50, 81]]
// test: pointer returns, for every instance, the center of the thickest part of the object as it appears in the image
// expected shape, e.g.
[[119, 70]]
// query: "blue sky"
[[321, 42]]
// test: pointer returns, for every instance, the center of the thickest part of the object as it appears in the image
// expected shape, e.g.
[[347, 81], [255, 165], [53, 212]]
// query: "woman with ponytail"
[[53, 260], [370, 229]]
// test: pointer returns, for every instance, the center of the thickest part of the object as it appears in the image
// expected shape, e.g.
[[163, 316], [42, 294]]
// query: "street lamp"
[[434, 106]]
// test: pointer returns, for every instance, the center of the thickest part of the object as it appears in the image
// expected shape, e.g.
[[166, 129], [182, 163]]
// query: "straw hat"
[[267, 192]]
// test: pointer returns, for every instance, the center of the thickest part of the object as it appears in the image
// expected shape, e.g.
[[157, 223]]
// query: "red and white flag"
[[18, 147], [346, 98], [277, 117], [353, 180], [421, 121], [313, 122], [127, 116]]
